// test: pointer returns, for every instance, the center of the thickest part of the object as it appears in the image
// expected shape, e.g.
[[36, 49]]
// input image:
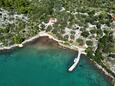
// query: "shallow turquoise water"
[[47, 66]]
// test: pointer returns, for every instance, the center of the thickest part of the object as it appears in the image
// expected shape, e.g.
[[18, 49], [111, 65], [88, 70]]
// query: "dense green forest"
[[41, 10], [46, 6]]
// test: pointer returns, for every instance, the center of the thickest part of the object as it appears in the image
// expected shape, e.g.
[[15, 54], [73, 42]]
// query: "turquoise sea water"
[[39, 65]]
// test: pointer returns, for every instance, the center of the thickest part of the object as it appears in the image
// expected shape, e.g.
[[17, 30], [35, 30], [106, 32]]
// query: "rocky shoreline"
[[59, 43]]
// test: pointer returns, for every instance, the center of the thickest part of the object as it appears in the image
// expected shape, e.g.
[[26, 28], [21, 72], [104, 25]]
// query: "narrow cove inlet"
[[45, 65]]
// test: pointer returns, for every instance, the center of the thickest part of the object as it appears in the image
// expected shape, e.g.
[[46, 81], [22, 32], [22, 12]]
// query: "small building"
[[113, 17], [52, 20]]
